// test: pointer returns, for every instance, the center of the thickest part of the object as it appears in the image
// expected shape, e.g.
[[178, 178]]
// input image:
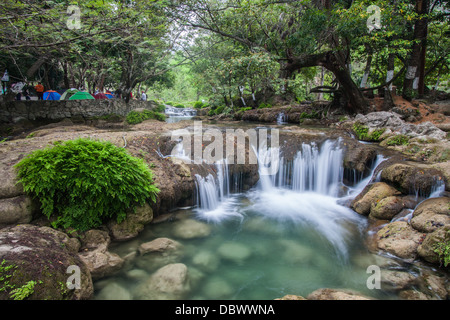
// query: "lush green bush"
[[443, 249], [135, 117], [219, 110], [198, 105], [83, 182], [264, 105], [179, 105], [362, 132]]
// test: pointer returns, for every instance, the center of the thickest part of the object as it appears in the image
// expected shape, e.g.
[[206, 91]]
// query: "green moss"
[[398, 140], [135, 117]]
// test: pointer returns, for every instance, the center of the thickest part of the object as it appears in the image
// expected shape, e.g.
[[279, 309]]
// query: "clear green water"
[[271, 254]]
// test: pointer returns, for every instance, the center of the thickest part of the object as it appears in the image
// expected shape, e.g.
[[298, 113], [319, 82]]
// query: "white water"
[[303, 192]]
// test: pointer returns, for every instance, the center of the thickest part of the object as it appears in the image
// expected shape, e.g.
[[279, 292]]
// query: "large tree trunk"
[[420, 33], [334, 61]]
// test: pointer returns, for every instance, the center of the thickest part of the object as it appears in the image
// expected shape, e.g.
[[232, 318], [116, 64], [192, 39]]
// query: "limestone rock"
[[170, 282], [426, 250], [399, 239], [386, 208], [132, 225], [375, 192], [234, 251], [158, 253], [44, 255], [190, 229], [431, 214], [16, 210], [333, 294], [412, 178], [96, 256]]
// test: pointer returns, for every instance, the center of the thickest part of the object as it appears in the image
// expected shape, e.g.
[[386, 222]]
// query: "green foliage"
[[21, 293], [443, 250], [397, 140], [360, 130], [313, 115], [135, 117], [198, 105], [83, 182], [24, 291], [219, 110], [264, 105], [179, 105]]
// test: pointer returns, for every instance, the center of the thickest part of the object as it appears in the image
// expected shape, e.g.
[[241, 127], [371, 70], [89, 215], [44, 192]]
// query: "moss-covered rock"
[[39, 258], [377, 191]]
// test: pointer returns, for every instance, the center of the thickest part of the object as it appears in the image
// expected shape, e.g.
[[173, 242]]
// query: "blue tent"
[[51, 95]]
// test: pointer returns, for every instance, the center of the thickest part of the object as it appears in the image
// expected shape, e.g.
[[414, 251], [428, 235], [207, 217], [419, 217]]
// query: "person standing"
[[39, 91], [143, 96]]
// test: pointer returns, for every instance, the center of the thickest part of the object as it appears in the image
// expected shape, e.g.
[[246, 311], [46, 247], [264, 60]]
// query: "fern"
[[82, 183]]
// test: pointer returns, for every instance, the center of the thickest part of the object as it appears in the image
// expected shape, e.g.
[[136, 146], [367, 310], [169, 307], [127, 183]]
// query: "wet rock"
[[431, 214], [132, 225], [386, 208], [426, 249], [334, 294], [377, 191], [170, 282], [43, 255], [411, 178], [399, 239], [206, 261], [158, 253], [217, 288], [396, 280], [291, 297], [234, 251], [413, 295], [190, 229], [160, 245], [114, 291], [96, 256]]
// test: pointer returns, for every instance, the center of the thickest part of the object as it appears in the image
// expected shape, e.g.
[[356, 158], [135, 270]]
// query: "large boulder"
[[44, 256], [427, 250], [158, 253], [371, 195], [412, 178], [387, 208], [95, 254], [170, 282], [431, 214], [399, 239], [17, 210], [132, 225]]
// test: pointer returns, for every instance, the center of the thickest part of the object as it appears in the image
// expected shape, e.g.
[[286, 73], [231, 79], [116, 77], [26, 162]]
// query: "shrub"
[[135, 117], [264, 105], [180, 106], [198, 105], [83, 182], [397, 140], [219, 110]]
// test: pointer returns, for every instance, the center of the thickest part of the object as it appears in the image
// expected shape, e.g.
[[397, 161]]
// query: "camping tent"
[[109, 95], [81, 95], [51, 95], [68, 93], [100, 95]]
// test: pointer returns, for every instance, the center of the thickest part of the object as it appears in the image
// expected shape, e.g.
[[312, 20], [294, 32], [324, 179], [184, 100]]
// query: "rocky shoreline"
[[400, 225]]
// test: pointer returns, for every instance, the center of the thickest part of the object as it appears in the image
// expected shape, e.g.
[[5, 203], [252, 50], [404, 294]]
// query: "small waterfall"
[[208, 197], [282, 118], [178, 114]]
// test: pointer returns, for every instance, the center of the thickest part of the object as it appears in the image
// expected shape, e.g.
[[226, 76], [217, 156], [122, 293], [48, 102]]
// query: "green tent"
[[68, 93], [81, 95]]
